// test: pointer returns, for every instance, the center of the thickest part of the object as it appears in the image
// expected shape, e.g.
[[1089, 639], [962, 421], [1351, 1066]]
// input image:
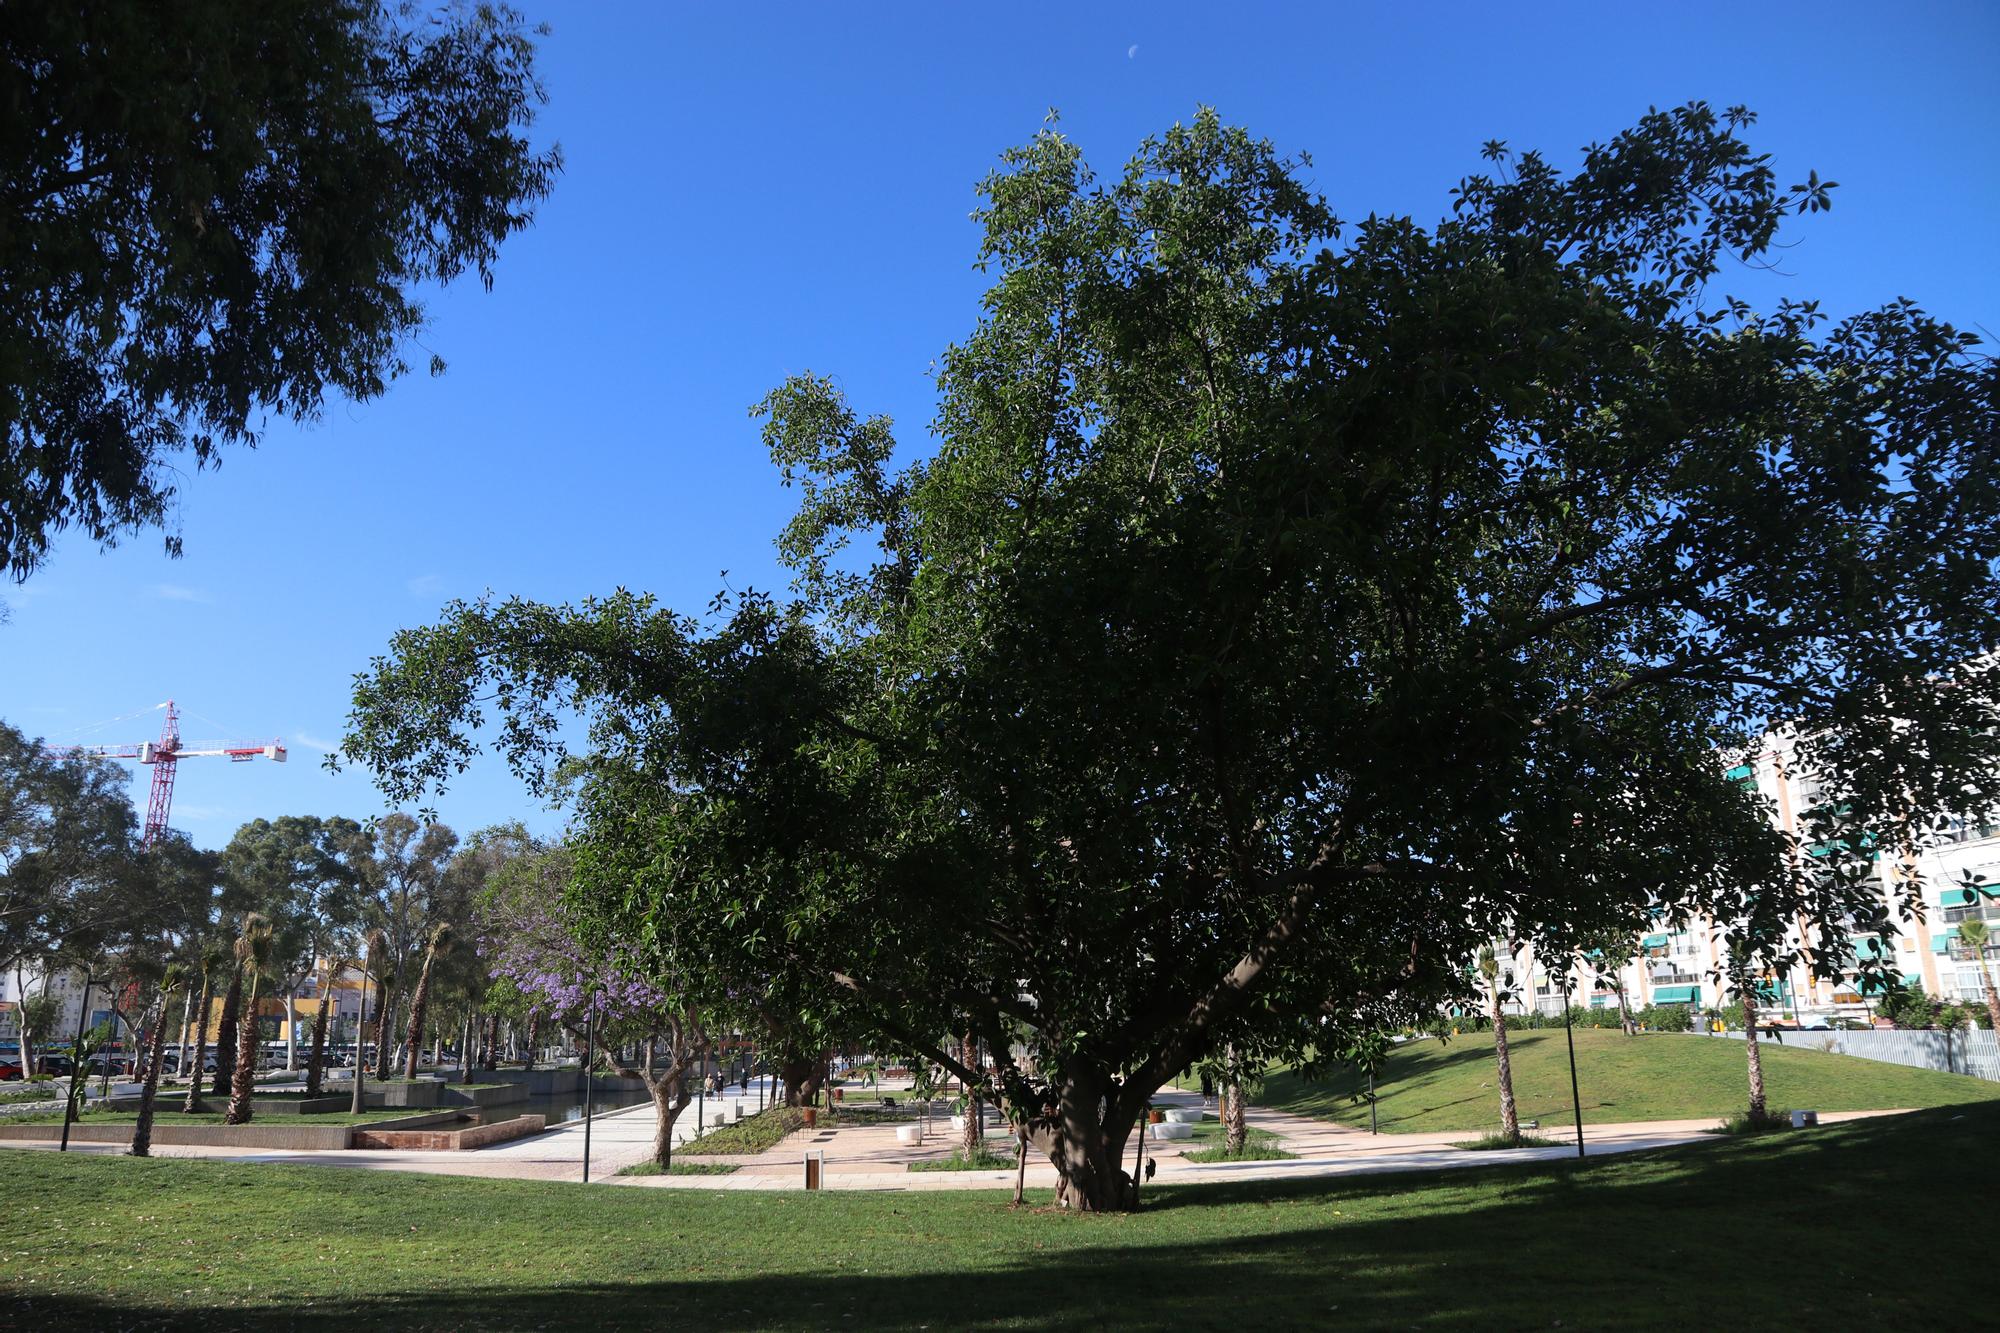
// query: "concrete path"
[[868, 1157]]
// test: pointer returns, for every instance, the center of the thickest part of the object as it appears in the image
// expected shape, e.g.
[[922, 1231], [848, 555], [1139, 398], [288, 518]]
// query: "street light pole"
[[589, 1034], [1575, 1096]]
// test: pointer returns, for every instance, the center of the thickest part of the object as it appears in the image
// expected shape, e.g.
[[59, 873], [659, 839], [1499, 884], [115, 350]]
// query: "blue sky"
[[755, 193]]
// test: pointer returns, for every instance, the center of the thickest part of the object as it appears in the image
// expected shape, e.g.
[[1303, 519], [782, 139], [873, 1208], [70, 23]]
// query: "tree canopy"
[[215, 212], [1287, 608]]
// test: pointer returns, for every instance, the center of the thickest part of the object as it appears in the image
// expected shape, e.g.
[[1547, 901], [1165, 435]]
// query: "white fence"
[[1975, 1053]]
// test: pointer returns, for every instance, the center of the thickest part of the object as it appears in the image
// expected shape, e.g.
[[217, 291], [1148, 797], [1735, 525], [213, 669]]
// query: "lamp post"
[[589, 1034], [1575, 1096]]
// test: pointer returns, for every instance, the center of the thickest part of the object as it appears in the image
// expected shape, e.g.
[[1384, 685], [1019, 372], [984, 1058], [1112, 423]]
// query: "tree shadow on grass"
[[1633, 1242]]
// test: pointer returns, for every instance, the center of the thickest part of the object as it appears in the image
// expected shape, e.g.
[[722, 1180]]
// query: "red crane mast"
[[167, 752]]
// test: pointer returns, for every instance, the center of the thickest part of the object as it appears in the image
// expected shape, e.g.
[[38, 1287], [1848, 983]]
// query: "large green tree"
[[216, 212], [306, 875], [1286, 609]]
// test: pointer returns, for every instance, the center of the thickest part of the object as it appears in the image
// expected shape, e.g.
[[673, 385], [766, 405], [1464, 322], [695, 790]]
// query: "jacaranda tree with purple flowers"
[[529, 937]]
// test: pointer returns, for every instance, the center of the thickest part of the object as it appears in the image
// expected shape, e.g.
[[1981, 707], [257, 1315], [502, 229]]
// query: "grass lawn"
[[983, 1159], [1259, 1145], [1427, 1085], [752, 1134], [680, 1168], [1624, 1242]]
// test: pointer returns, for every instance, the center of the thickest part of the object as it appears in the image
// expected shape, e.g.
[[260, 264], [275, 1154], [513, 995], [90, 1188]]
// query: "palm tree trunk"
[[419, 1001], [142, 1128], [316, 1058], [1235, 1129], [1992, 996], [1510, 1117], [187, 1012], [383, 1014], [193, 1102], [1748, 989], [225, 1034], [534, 1026], [245, 1081], [487, 1039], [968, 1053], [291, 1029], [465, 1049]]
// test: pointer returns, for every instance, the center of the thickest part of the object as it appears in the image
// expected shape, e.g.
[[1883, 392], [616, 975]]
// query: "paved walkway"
[[868, 1157]]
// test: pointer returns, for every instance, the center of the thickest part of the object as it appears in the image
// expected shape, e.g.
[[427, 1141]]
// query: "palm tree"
[[440, 943], [338, 962], [211, 963], [373, 944], [1978, 937], [256, 949], [1510, 1119], [225, 1034], [1746, 991], [172, 978]]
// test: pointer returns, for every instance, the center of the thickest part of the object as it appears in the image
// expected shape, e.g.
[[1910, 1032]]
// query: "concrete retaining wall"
[[505, 1095], [450, 1140], [307, 1138], [289, 1135], [423, 1092], [1974, 1053], [258, 1105], [535, 1082]]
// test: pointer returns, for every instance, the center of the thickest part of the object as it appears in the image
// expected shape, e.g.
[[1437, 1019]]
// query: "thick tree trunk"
[[193, 1101], [796, 1073], [1625, 1022], [534, 1030], [290, 1000], [142, 1128], [225, 1035], [245, 1081], [487, 1040], [466, 1031], [316, 1056], [667, 1107], [1510, 1119], [1748, 990], [1083, 1134]]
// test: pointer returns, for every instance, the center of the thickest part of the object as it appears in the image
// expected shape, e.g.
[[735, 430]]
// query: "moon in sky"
[[1132, 51]]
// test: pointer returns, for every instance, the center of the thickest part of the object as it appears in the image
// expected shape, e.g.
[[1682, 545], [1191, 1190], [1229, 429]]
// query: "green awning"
[[1867, 946], [1739, 773], [1654, 942], [1941, 941], [1677, 995], [1774, 990]]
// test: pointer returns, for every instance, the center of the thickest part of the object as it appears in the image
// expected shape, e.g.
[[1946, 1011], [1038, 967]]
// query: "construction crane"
[[164, 754]]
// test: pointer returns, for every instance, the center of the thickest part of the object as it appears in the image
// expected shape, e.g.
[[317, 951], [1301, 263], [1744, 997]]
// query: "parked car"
[[10, 1069]]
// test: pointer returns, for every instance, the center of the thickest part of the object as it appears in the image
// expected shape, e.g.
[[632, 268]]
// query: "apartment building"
[[1680, 966]]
